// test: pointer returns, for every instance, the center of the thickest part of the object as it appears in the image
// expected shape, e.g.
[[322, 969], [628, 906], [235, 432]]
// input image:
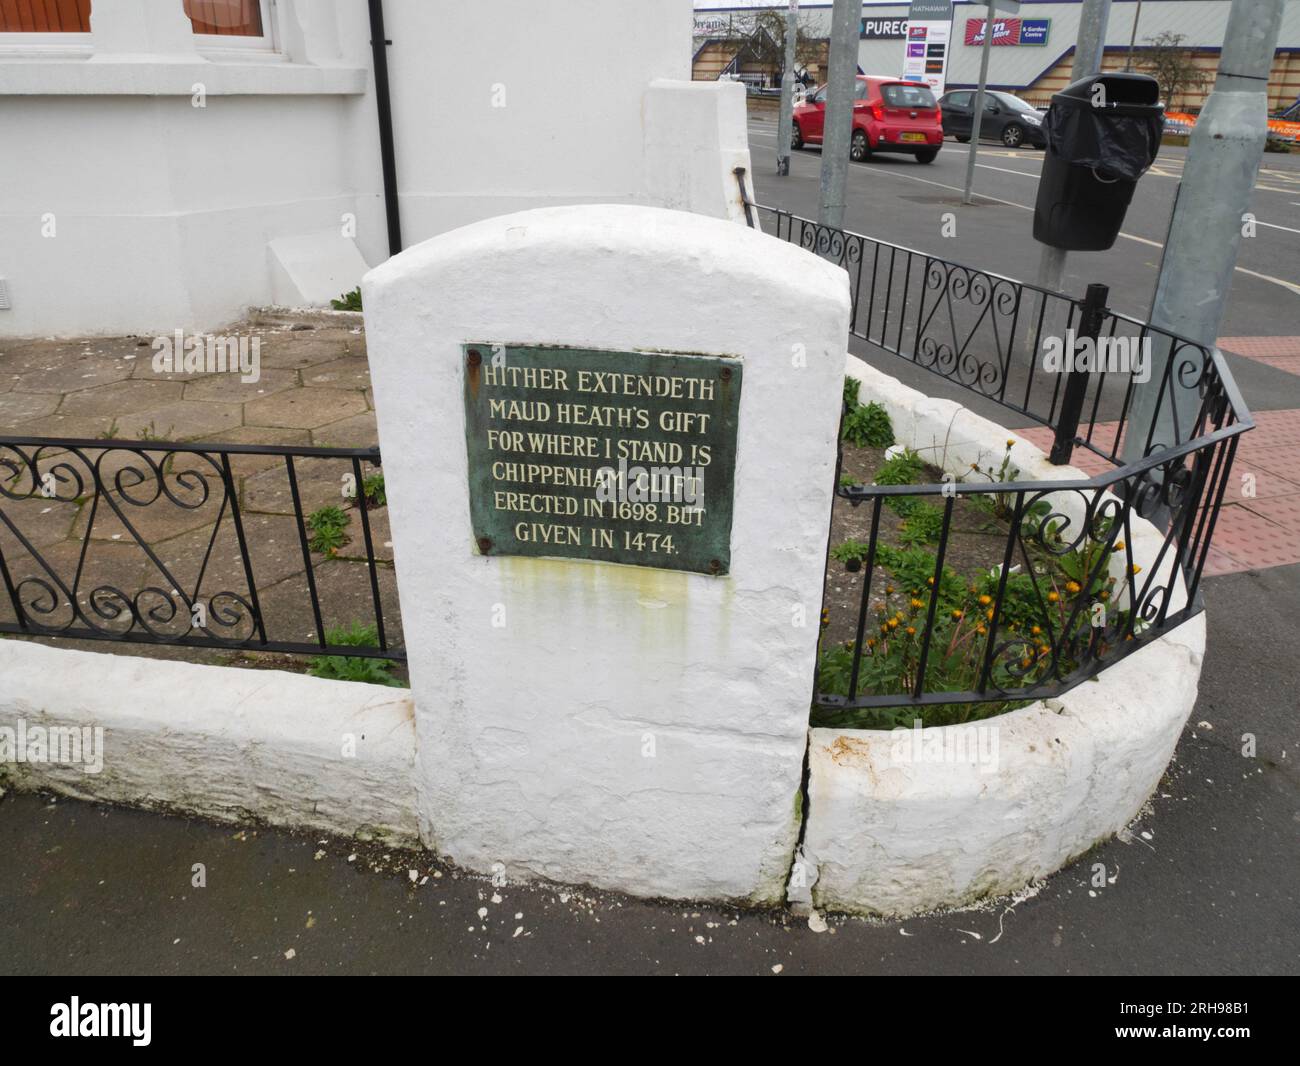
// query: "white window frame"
[[226, 44]]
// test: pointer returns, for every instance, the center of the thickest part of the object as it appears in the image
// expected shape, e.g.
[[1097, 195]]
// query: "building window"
[[44, 16], [230, 23]]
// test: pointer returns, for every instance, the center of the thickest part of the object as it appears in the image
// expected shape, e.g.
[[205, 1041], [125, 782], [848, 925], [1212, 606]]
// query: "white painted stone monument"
[[608, 695]]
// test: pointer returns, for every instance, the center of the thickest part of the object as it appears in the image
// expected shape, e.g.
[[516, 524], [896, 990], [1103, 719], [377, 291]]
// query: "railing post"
[[745, 201], [1091, 312]]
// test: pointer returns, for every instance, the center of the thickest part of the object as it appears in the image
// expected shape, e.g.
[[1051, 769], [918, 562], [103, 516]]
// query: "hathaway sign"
[[925, 60]]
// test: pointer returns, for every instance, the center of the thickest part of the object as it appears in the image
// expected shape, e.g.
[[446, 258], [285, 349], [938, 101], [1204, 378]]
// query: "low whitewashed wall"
[[533, 736], [891, 832], [227, 743]]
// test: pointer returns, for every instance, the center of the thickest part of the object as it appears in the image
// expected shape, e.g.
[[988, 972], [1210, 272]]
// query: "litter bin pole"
[[968, 197], [785, 124], [837, 132], [1213, 197]]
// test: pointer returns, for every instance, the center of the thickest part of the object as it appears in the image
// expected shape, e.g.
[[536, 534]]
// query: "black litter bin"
[[1103, 132]]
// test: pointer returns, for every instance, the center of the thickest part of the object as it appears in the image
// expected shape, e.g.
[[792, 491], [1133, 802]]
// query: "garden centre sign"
[[619, 456]]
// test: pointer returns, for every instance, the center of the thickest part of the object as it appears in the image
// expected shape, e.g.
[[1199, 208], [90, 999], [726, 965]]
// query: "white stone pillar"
[[629, 727], [695, 138]]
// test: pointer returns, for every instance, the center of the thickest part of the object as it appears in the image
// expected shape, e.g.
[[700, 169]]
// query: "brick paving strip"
[[313, 389], [1261, 504], [1281, 353]]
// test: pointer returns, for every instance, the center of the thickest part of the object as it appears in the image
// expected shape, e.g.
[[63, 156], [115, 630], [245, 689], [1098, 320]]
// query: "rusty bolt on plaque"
[[725, 373], [485, 544], [475, 357], [714, 566]]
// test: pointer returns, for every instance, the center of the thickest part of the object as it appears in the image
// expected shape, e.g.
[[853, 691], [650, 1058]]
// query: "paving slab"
[[122, 398], [232, 388], [351, 372], [304, 408], [358, 431]]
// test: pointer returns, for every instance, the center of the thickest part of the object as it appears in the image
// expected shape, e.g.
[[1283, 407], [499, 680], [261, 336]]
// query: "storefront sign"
[[883, 29], [1008, 32], [929, 28]]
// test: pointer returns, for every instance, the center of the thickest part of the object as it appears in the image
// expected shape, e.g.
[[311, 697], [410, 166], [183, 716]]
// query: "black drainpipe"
[[378, 46]]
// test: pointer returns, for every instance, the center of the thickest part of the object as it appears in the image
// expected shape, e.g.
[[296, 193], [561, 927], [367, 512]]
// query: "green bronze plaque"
[[622, 457]]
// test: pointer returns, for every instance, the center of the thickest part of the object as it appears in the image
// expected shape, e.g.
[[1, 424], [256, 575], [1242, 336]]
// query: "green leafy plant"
[[354, 667], [1044, 621], [374, 491], [348, 301], [914, 569], [905, 468], [922, 524], [150, 432], [868, 425], [851, 552], [851, 387], [327, 526]]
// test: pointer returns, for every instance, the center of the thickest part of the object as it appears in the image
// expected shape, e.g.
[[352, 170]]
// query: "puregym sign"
[[883, 29]]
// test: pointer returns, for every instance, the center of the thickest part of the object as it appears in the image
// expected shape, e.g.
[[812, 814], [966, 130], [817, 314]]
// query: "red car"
[[889, 115]]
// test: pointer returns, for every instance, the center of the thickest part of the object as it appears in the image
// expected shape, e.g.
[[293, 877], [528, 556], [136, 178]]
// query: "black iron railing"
[[238, 547], [989, 333], [1079, 582], [1068, 595]]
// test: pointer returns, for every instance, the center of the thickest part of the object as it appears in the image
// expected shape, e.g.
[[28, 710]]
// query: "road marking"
[[1289, 286], [1267, 277], [1271, 225], [1004, 170]]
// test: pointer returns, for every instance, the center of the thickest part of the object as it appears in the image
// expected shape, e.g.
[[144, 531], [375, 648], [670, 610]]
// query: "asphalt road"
[[894, 198]]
